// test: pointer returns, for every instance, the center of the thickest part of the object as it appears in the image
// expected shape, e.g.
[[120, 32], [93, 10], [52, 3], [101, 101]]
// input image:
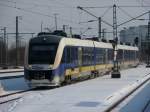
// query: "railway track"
[[13, 96], [11, 71], [112, 107], [3, 77], [17, 95], [11, 77]]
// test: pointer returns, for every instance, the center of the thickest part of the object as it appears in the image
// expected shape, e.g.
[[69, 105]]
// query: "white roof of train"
[[89, 43]]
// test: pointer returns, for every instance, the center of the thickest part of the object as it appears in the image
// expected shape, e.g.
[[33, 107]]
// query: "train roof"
[[76, 42], [89, 43], [45, 39]]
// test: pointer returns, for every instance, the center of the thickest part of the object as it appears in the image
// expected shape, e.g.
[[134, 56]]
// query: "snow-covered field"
[[88, 96], [12, 85], [10, 70], [11, 74]]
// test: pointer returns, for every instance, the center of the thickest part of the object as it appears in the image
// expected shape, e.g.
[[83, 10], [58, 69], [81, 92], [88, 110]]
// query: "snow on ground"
[[10, 70], [11, 74], [1, 90], [12, 85], [87, 96]]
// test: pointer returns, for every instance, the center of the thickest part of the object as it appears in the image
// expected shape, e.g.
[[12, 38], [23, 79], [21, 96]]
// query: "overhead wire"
[[106, 11], [65, 5], [35, 12], [99, 7], [33, 3], [82, 8], [26, 27], [133, 19], [128, 6], [125, 12], [108, 8]]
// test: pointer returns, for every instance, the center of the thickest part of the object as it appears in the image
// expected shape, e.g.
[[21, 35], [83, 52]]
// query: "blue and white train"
[[51, 60]]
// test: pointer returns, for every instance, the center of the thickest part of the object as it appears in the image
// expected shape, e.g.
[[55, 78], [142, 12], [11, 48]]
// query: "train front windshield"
[[42, 54]]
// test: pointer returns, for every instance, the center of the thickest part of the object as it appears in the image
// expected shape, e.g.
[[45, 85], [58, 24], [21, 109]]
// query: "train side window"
[[101, 56], [84, 56], [63, 60], [68, 55], [110, 54], [79, 50], [71, 55], [76, 56]]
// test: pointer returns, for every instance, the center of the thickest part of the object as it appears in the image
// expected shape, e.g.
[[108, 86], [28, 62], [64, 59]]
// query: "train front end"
[[39, 61]]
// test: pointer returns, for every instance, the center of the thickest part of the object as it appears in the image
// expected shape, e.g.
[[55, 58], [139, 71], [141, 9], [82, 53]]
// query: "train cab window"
[[42, 53], [68, 55]]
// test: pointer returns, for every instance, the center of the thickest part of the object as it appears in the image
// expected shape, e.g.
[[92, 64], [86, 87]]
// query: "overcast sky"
[[34, 12]]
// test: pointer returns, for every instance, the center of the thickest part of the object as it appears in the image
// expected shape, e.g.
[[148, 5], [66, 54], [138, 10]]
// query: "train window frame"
[[35, 55]]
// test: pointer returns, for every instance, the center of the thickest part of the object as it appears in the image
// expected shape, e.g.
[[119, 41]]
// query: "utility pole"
[[4, 47], [55, 15], [17, 41], [103, 33], [99, 28], [70, 31], [1, 53], [114, 23], [148, 44], [5, 41], [115, 73], [64, 28], [41, 26]]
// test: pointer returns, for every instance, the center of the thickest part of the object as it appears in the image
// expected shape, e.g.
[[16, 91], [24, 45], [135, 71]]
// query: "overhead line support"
[[81, 8], [115, 72], [132, 19]]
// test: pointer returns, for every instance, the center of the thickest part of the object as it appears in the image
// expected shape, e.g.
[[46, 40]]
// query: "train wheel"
[[68, 79], [97, 74], [92, 75]]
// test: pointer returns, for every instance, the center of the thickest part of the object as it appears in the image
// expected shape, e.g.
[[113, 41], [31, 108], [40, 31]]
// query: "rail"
[[12, 96], [11, 71], [17, 95], [3, 77], [11, 77]]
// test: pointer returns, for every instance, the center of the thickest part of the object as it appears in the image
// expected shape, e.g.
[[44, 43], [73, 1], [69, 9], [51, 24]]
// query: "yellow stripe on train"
[[77, 71]]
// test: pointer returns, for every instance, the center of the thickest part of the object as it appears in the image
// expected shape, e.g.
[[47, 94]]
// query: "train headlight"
[[30, 66], [50, 66], [56, 79]]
